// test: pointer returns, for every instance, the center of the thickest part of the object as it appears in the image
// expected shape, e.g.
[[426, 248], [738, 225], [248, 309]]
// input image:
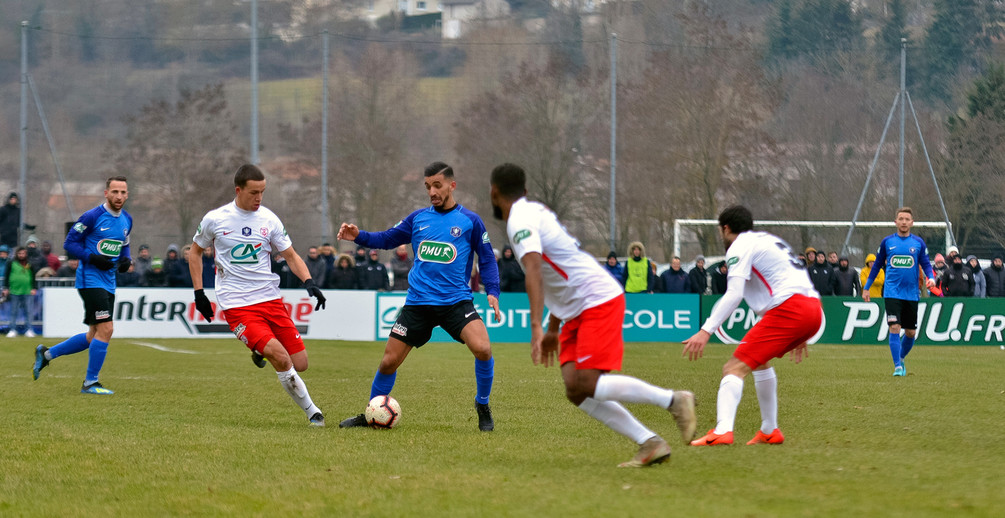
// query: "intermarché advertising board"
[[941, 321]]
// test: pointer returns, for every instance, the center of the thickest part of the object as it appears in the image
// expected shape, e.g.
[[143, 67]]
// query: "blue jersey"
[[442, 243], [900, 257], [100, 232]]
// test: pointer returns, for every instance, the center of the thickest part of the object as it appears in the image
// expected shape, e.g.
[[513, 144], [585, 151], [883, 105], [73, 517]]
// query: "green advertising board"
[[847, 320]]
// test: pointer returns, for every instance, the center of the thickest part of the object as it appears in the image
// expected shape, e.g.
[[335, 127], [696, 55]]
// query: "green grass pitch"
[[195, 429]]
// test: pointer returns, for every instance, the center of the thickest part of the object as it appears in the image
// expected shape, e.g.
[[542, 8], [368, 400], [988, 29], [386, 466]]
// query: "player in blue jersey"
[[900, 255], [100, 240], [444, 238]]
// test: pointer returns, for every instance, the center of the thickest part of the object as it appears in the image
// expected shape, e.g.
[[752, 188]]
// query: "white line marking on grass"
[[164, 348]]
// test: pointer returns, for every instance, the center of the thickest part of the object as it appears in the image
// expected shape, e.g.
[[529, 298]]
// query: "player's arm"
[[694, 347], [393, 237], [299, 268], [487, 266], [202, 303], [540, 343], [926, 266]]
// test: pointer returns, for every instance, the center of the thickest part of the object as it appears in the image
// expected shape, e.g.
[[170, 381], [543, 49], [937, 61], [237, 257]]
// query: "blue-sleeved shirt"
[[442, 243], [900, 257], [100, 232]]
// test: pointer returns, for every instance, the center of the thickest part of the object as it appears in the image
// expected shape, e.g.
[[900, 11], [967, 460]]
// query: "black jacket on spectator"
[[958, 282], [155, 278], [822, 278], [373, 276], [10, 220], [339, 278], [208, 272], [127, 279], [672, 281], [511, 277], [318, 269], [846, 282], [718, 280], [699, 280], [995, 278]]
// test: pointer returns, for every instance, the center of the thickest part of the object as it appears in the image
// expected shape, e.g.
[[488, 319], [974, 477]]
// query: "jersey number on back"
[[796, 263]]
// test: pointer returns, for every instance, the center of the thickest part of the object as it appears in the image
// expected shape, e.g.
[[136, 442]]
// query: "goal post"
[[679, 224]]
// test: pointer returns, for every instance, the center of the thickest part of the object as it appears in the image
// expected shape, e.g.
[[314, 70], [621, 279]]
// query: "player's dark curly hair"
[[108, 182], [247, 173], [738, 218], [438, 167], [509, 180]]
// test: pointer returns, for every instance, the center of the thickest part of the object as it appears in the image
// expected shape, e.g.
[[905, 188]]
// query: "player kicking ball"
[[580, 293], [244, 234], [764, 272]]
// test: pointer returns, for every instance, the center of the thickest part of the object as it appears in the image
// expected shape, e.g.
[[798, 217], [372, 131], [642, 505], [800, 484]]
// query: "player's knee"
[[575, 394]]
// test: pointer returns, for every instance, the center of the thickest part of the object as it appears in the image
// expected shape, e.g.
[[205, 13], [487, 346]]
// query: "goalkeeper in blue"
[[444, 239], [100, 241], [901, 255]]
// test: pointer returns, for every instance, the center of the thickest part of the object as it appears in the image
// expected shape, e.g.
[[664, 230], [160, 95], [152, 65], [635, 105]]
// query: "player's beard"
[[497, 212]]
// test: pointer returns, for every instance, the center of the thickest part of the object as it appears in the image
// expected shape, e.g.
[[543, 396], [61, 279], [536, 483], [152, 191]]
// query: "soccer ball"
[[383, 412]]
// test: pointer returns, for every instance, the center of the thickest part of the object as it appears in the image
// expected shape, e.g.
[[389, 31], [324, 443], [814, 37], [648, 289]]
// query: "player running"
[[443, 238], [764, 272], [900, 255], [578, 291], [244, 234], [100, 241]]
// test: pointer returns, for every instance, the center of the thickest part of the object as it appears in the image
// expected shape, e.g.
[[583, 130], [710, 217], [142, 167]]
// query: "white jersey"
[[771, 271], [243, 241], [573, 280]]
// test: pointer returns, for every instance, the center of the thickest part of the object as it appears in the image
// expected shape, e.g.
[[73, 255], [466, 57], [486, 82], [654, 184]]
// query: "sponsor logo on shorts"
[[902, 261], [245, 253], [584, 358], [520, 236], [437, 252], [399, 329], [239, 333], [891, 318], [466, 315], [98, 315], [110, 247]]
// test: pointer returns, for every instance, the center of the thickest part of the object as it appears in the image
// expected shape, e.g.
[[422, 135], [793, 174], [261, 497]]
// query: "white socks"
[[626, 389], [617, 418], [295, 387], [730, 392], [766, 385]]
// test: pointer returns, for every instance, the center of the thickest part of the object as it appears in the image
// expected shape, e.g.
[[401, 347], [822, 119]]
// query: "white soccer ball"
[[383, 412]]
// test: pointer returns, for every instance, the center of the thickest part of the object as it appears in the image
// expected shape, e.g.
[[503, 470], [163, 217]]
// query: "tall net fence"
[[161, 94]]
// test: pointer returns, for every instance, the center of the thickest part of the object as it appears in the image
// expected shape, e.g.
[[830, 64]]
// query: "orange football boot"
[[775, 437], [713, 439]]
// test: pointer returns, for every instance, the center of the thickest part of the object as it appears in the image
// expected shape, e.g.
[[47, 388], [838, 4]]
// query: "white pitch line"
[[165, 349]]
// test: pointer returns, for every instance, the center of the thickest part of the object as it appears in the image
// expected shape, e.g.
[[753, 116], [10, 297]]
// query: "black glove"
[[314, 291], [124, 264], [203, 306], [100, 262]]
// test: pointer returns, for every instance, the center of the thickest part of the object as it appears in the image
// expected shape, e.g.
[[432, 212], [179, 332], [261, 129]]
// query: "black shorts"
[[98, 304], [902, 312], [415, 324]]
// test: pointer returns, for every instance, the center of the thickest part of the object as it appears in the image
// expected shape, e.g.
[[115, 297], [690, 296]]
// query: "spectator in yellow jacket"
[[877, 286]]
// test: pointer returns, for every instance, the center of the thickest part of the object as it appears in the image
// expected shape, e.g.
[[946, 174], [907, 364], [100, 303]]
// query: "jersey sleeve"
[[126, 253], [74, 243], [278, 237], [739, 263], [926, 264], [524, 235], [399, 234], [487, 267], [205, 232]]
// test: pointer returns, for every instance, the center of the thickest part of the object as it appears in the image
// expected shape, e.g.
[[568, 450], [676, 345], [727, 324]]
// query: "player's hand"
[[694, 347], [865, 295], [930, 283], [494, 304], [203, 306], [100, 262], [800, 352], [124, 264], [314, 291], [549, 348], [536, 336], [348, 232]]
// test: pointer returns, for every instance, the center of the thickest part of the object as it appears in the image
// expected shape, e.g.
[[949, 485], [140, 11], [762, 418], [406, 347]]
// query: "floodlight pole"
[[614, 133], [903, 95], [324, 138], [22, 179], [254, 82]]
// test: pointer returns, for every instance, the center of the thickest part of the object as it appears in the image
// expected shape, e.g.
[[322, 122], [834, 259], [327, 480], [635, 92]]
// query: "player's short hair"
[[108, 182], [907, 210], [510, 180], [438, 167], [738, 218], [247, 173]]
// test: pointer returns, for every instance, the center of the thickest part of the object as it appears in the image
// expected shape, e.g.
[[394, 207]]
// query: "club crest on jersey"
[[520, 236], [110, 247], [245, 253], [264, 231], [902, 261], [455, 231], [436, 252], [246, 231], [485, 237], [79, 227]]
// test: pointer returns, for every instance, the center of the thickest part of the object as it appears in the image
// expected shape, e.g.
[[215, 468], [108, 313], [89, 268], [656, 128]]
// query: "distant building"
[[458, 15]]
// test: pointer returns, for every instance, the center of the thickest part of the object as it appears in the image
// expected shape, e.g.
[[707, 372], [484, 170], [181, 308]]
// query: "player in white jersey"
[[764, 271], [244, 234], [591, 304]]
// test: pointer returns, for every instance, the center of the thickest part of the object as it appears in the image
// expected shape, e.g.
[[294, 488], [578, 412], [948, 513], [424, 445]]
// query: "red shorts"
[[593, 339], [780, 330], [258, 323]]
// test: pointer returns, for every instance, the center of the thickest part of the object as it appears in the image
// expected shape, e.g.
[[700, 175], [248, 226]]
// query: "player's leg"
[[97, 349], [906, 344], [285, 364], [476, 337], [72, 345], [395, 352], [894, 318], [909, 321], [766, 386]]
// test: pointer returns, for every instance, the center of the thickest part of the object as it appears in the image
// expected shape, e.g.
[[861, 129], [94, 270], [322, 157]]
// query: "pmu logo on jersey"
[[437, 252], [245, 253], [520, 236], [110, 247], [902, 261]]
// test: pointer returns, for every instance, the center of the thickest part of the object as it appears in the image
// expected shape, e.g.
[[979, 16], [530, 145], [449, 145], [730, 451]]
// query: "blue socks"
[[895, 349], [96, 352], [484, 373], [71, 345], [382, 384], [905, 347]]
